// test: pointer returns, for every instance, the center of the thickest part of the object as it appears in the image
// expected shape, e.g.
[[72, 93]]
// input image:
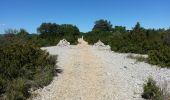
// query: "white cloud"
[[2, 24]]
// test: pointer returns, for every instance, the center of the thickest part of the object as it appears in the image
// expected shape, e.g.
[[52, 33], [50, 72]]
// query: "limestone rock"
[[63, 43]]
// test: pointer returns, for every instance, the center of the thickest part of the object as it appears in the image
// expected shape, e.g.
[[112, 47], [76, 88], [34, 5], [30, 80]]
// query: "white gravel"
[[131, 75], [92, 74]]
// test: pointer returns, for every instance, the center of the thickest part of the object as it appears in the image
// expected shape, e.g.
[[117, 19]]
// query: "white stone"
[[63, 43], [101, 46]]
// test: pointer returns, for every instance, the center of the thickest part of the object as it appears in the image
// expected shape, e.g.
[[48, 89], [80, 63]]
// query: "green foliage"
[[160, 57], [93, 37], [120, 29], [17, 90], [51, 33], [3, 85], [102, 25], [156, 43], [151, 91], [68, 29], [49, 30], [23, 34], [138, 40], [166, 37], [11, 31], [138, 33], [24, 65]]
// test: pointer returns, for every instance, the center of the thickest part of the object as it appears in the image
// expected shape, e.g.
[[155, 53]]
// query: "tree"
[[51, 33], [120, 29], [138, 33], [49, 30], [166, 37], [10, 32], [54, 30], [22, 33], [102, 25], [69, 29], [137, 26]]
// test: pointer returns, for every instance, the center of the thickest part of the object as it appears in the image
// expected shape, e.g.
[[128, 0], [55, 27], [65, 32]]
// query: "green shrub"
[[93, 37], [3, 85], [138, 40], [24, 65], [17, 90], [151, 90], [44, 76], [51, 33], [72, 39], [160, 57]]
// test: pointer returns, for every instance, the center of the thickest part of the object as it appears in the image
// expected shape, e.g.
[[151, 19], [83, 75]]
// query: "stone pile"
[[63, 43], [100, 45]]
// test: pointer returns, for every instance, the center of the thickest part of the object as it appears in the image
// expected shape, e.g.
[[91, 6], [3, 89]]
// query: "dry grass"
[[165, 90], [137, 58]]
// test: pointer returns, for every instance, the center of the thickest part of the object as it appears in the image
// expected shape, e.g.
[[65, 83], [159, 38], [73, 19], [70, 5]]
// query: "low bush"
[[17, 89], [93, 37], [24, 65], [160, 57], [151, 91], [155, 43], [155, 92]]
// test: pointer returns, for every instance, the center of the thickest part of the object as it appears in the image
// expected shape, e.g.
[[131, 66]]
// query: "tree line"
[[154, 42]]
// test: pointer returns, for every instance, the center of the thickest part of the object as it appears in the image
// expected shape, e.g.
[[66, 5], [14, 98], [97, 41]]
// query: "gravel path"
[[90, 73]]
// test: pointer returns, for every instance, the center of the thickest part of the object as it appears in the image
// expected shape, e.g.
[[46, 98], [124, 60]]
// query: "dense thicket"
[[23, 65], [51, 33], [160, 57], [155, 42], [102, 25]]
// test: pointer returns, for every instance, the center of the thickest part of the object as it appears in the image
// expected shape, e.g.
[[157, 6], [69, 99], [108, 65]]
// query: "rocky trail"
[[93, 73]]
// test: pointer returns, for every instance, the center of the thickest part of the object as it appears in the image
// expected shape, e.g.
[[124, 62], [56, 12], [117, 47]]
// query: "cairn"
[[101, 46], [63, 43]]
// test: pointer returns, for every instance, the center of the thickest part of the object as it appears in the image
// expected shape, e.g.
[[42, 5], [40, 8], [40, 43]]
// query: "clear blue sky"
[[29, 14]]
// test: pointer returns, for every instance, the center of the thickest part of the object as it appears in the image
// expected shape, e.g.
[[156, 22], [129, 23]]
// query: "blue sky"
[[29, 14]]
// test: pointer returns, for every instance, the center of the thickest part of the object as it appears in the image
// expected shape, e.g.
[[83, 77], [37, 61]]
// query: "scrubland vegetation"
[[153, 92], [51, 33], [154, 42], [23, 65]]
